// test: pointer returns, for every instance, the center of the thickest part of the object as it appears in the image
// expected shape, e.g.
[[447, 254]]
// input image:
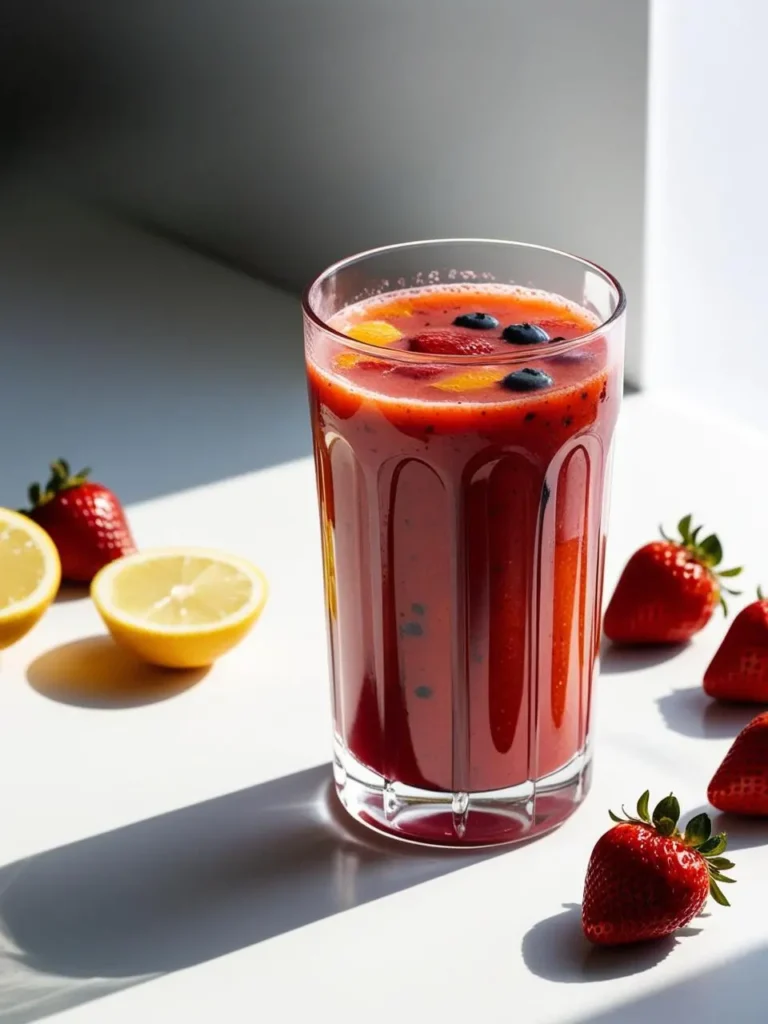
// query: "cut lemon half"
[[30, 573], [179, 607]]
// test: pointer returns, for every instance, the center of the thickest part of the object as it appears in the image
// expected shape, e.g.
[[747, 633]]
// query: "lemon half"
[[179, 607], [30, 573]]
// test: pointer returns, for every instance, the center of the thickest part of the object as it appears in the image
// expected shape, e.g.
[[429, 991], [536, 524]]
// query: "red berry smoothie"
[[463, 522]]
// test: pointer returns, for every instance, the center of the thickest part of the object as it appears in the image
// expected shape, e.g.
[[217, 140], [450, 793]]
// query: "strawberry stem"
[[61, 479]]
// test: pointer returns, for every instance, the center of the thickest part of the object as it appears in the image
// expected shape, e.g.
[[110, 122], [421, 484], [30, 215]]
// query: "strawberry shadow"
[[72, 592], [615, 659], [555, 949], [95, 673], [692, 713]]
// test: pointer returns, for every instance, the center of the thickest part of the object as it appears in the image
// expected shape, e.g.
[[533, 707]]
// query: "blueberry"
[[527, 380], [524, 334], [477, 321]]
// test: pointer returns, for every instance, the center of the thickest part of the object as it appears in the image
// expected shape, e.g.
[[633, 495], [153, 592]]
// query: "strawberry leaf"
[[684, 526], [712, 550], [732, 572], [716, 894], [642, 807], [721, 863], [667, 808], [698, 830], [714, 845], [615, 817], [664, 826], [719, 877]]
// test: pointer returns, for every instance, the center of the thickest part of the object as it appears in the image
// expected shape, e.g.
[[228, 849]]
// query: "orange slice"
[[374, 332], [471, 380]]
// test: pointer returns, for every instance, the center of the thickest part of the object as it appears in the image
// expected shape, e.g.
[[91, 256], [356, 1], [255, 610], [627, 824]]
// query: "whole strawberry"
[[668, 590], [740, 784], [646, 879], [739, 669], [85, 521]]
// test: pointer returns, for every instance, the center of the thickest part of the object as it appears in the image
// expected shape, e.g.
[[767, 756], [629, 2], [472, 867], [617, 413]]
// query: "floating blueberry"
[[527, 380], [477, 321], [524, 334]]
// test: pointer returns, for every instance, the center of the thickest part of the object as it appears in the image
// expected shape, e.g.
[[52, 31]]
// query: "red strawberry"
[[739, 669], [646, 879], [668, 590], [416, 371], [740, 784], [447, 341], [85, 521]]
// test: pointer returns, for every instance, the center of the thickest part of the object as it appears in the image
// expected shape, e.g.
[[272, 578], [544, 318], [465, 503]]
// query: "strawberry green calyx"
[[61, 479], [709, 552], [697, 836]]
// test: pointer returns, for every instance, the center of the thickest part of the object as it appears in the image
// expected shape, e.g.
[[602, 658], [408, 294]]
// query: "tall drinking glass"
[[462, 473]]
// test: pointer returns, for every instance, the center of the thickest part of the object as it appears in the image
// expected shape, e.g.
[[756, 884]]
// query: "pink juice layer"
[[463, 542]]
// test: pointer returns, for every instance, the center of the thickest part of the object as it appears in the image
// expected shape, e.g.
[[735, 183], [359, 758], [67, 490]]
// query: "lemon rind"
[[102, 596], [46, 590]]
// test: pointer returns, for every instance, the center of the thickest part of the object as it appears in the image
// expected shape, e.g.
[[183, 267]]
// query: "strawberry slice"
[[447, 341], [415, 371]]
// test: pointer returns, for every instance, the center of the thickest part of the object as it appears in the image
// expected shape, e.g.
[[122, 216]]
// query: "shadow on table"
[[729, 991], [615, 659], [160, 895], [555, 949], [186, 373], [692, 713], [95, 673]]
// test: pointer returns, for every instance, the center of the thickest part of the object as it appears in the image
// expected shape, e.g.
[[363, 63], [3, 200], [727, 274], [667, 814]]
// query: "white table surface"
[[170, 850]]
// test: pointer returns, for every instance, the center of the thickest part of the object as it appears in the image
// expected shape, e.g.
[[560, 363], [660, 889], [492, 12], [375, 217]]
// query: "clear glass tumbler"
[[463, 540]]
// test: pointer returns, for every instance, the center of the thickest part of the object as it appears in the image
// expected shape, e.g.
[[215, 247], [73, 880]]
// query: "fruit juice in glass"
[[463, 400]]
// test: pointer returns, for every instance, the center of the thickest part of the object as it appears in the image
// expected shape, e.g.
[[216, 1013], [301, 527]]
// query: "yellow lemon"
[[179, 607], [374, 332], [30, 573]]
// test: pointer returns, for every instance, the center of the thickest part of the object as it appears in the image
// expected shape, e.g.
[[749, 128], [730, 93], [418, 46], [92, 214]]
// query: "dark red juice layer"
[[463, 541]]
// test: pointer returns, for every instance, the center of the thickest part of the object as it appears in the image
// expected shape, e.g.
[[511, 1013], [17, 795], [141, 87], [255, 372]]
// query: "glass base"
[[438, 818]]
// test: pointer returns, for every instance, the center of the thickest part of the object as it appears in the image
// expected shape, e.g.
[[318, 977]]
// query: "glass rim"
[[519, 351]]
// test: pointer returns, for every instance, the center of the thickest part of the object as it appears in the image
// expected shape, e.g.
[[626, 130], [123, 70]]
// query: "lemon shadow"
[[96, 673]]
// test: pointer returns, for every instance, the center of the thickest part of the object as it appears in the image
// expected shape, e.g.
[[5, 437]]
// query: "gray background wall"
[[283, 134]]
